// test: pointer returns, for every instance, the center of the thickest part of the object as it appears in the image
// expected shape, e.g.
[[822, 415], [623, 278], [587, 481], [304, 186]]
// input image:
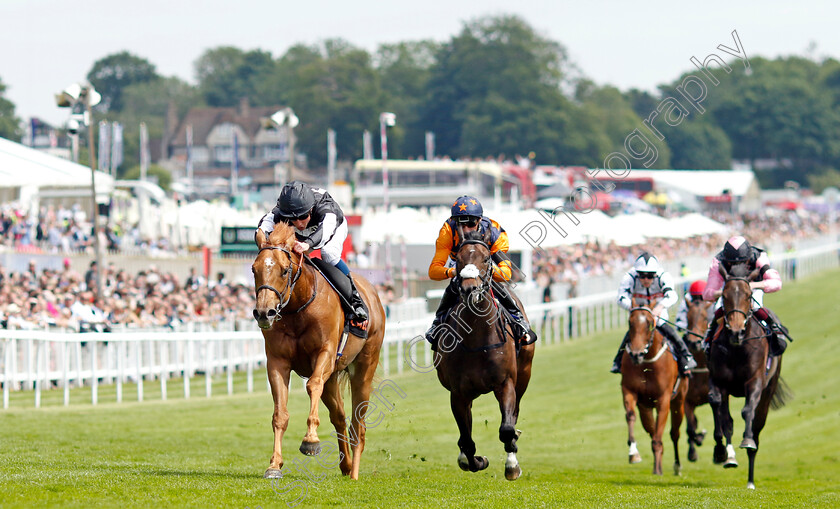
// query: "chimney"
[[244, 108]]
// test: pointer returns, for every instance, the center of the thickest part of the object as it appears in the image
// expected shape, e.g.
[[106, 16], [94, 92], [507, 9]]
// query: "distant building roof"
[[700, 182], [203, 120]]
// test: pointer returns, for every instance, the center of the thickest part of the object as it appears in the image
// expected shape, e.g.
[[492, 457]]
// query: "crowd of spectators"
[[67, 230], [65, 299], [568, 264]]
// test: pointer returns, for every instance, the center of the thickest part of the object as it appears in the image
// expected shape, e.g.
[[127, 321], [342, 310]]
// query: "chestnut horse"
[[650, 379], [477, 356], [302, 320], [698, 389], [739, 365]]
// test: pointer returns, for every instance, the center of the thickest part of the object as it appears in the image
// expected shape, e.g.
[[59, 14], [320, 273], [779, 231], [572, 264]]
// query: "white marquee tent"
[[28, 175]]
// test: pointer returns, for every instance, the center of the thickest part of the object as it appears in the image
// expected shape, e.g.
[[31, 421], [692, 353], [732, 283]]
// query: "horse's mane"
[[283, 235], [739, 270]]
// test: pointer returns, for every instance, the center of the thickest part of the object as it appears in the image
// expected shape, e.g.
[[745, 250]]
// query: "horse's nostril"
[[271, 313], [256, 315]]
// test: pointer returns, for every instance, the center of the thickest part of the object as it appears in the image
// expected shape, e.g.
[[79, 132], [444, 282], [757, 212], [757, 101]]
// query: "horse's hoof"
[[750, 486], [272, 473], [692, 455], [677, 469], [635, 458], [482, 462], [512, 474], [719, 456], [731, 463], [463, 462], [310, 448], [748, 443]]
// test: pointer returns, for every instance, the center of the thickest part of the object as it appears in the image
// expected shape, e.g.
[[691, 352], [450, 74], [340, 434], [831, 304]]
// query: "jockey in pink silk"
[[736, 251]]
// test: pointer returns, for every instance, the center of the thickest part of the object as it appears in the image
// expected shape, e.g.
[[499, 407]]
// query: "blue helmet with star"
[[467, 207]]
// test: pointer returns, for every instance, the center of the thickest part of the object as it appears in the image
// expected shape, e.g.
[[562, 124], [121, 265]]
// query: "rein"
[[652, 333], [747, 315], [290, 283], [482, 289]]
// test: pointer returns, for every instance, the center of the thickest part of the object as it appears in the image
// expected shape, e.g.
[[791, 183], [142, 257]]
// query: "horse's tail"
[[343, 381], [781, 395]]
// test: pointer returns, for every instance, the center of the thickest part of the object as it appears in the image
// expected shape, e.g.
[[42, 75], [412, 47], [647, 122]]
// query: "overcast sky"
[[48, 44]]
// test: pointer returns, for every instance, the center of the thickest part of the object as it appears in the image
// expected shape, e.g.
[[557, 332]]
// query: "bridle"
[[650, 338], [291, 281], [484, 280], [747, 315]]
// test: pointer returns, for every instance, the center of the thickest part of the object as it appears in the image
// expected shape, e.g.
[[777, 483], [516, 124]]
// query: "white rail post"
[[65, 373], [39, 348], [138, 351], [7, 369], [187, 368], [230, 366], [94, 379], [208, 365], [250, 366], [163, 369], [121, 347]]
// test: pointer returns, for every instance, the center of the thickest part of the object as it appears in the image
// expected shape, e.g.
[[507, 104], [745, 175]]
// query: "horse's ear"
[[633, 302], [260, 238], [653, 303], [687, 298], [723, 271], [754, 274]]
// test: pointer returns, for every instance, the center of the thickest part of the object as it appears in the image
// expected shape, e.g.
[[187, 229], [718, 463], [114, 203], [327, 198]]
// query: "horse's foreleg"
[[691, 430], [506, 395], [278, 378], [715, 399], [523, 374], [321, 372], [751, 401], [630, 417], [360, 386], [656, 428], [677, 413], [462, 410], [726, 425], [335, 404]]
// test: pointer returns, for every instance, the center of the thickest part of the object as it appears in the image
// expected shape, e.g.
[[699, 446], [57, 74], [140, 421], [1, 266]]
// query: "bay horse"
[[477, 355], [650, 379], [740, 366], [302, 320], [698, 390]]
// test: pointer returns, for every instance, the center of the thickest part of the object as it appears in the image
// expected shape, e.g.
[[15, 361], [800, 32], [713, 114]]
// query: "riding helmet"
[[296, 199], [467, 207], [696, 288], [646, 262], [736, 250]]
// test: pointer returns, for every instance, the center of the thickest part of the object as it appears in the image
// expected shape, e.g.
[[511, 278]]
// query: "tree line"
[[497, 87]]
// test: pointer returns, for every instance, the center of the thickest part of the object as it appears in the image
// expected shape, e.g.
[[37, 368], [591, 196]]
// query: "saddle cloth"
[[341, 284]]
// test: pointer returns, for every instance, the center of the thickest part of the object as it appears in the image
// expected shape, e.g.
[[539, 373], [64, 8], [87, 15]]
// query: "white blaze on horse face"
[[469, 271], [269, 263]]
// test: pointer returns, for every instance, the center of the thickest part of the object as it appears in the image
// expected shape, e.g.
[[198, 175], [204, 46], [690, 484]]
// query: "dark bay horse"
[[698, 389], [302, 320], [739, 365], [476, 356], [650, 379]]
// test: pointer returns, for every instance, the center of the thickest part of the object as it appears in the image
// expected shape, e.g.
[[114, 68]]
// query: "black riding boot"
[[358, 307], [449, 299], [778, 334], [685, 360], [616, 367], [520, 323]]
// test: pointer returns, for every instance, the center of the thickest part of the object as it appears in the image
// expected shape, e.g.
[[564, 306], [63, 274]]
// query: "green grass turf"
[[212, 452]]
